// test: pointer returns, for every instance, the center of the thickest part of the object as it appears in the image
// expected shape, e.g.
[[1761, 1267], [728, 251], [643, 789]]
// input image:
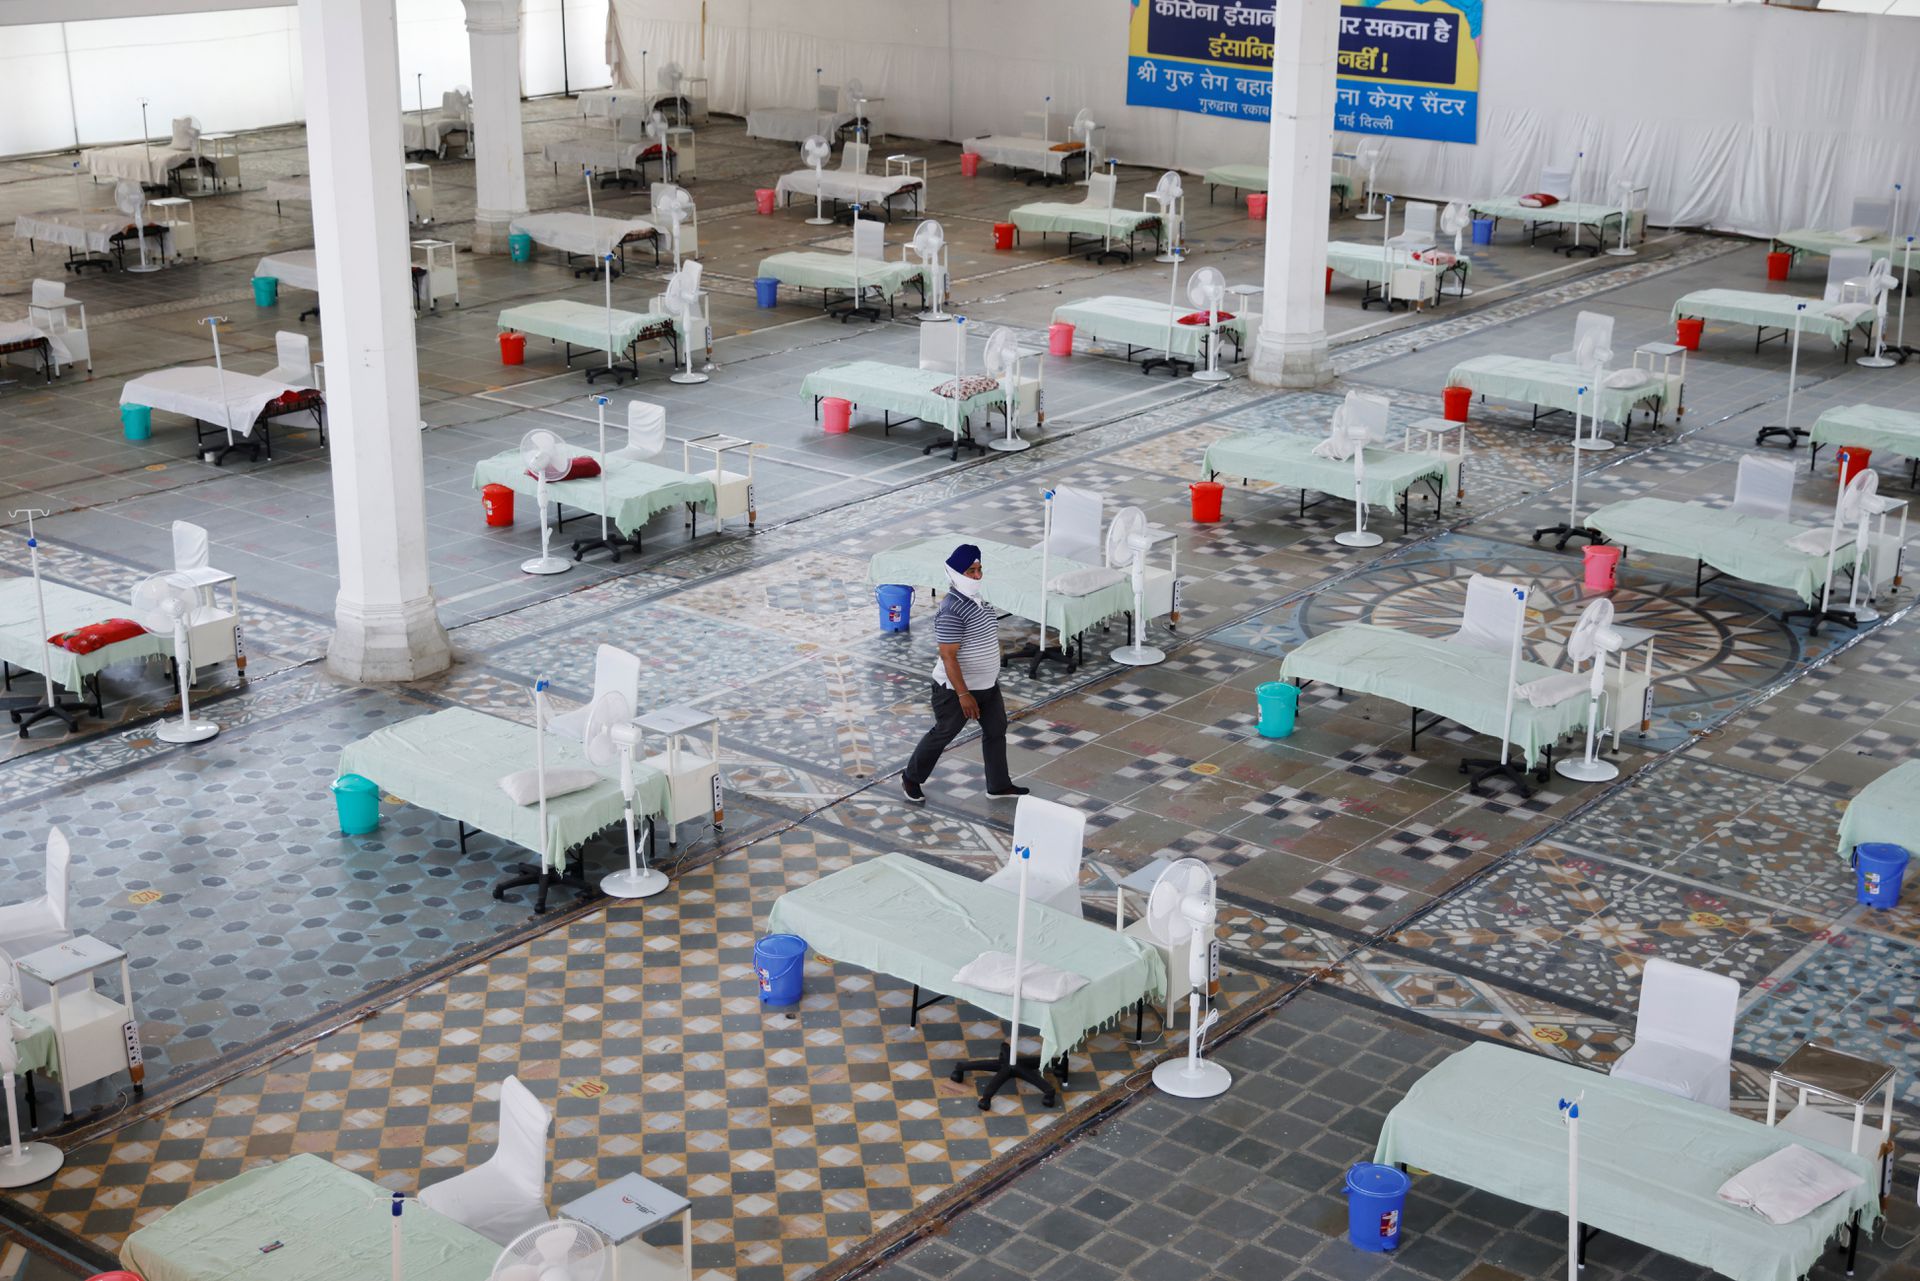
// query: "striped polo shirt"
[[974, 627]]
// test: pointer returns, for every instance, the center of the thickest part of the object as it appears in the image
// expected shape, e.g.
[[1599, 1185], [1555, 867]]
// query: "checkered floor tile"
[[1346, 894]]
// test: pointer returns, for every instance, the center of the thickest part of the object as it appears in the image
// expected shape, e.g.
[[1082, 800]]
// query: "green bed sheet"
[[331, 1224], [1651, 1163], [1887, 809], [450, 762], [900, 389], [1889, 431], [1467, 686], [634, 491], [1290, 460], [1369, 262], [896, 915], [1254, 178], [33, 1038], [1555, 386], [21, 639], [1766, 311], [1811, 240], [807, 270], [1141, 322], [585, 325], [1566, 213], [1010, 583], [1747, 547], [1043, 216]]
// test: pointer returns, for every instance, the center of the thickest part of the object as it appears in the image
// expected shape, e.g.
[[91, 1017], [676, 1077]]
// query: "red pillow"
[[1539, 200], [85, 640], [1200, 317], [582, 468]]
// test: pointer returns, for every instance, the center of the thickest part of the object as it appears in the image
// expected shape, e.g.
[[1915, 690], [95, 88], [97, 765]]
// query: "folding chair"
[[1683, 1033], [506, 1194], [1056, 835]]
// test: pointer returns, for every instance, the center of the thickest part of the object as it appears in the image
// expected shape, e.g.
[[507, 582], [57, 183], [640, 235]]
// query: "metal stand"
[[1786, 428], [53, 708], [610, 540]]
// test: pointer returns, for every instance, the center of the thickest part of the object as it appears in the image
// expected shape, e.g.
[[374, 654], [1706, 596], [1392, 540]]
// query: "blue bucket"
[[766, 291], [1279, 705], [1483, 231], [781, 962], [896, 606], [357, 801], [1880, 867], [1376, 1202], [266, 290], [136, 421], [520, 247]]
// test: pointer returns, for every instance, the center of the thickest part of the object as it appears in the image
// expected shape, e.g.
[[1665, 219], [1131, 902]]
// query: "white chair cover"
[[1419, 226], [1844, 265], [1056, 834], [295, 354], [51, 293], [1763, 487], [826, 98], [41, 922], [1872, 211], [853, 157], [869, 240], [1079, 519], [190, 545], [615, 671], [1490, 616], [943, 347], [1683, 1035], [507, 1193], [186, 134], [646, 432], [1100, 191], [1556, 182]]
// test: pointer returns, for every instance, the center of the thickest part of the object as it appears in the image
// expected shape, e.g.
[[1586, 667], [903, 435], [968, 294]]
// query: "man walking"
[[965, 681]]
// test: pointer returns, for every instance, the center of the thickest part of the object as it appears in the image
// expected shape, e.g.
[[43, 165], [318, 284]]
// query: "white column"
[[499, 159], [1292, 349], [385, 626]]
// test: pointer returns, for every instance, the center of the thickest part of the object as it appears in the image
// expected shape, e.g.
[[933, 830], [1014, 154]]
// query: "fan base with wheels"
[[172, 731], [1185, 1079], [1138, 656], [1358, 538], [37, 1161], [1582, 770]]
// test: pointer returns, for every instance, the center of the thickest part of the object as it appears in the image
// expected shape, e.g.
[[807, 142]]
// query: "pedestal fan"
[[683, 301], [544, 455], [1456, 220], [1592, 641], [929, 245], [1129, 539], [20, 1163], [1348, 436], [130, 198], [1367, 155], [610, 732], [1626, 187], [1879, 282], [164, 604], [1169, 194], [669, 80], [673, 205], [1185, 909], [1002, 362], [813, 153], [564, 1250], [1207, 290], [1086, 126], [857, 95]]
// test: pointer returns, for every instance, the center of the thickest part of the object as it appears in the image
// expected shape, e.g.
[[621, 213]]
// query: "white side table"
[[440, 260], [627, 1207], [732, 491], [1629, 692], [1664, 352], [1846, 1078], [418, 180], [680, 139], [175, 213], [1435, 434], [95, 1035], [222, 151], [693, 780], [902, 165], [696, 98]]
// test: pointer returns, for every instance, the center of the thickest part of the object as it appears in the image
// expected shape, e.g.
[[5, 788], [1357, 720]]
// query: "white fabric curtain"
[[1740, 117]]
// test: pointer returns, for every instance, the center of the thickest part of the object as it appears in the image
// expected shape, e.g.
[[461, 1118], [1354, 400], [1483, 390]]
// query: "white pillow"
[[1085, 582], [1790, 1184], [993, 972], [523, 788], [1621, 379], [1862, 232], [184, 134]]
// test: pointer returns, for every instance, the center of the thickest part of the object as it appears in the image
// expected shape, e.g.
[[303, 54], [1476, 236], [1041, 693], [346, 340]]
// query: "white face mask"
[[968, 587]]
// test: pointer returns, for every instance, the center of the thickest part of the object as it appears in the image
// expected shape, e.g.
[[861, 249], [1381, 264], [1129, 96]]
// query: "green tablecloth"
[[899, 916], [1749, 547], [586, 325], [1567, 212], [634, 492], [1891, 431], [451, 762], [1290, 460], [1650, 1163], [1552, 385], [900, 389], [1140, 322], [1011, 582], [1811, 240], [33, 1038], [332, 1224], [1887, 809], [1043, 216], [1767, 311], [803, 270], [21, 637], [1467, 686]]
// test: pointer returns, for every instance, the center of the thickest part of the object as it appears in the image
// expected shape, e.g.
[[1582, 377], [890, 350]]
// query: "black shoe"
[[1010, 791], [912, 791]]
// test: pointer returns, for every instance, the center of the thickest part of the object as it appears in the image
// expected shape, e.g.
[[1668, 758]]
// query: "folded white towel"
[[1788, 1185], [1814, 542], [1550, 691], [993, 972]]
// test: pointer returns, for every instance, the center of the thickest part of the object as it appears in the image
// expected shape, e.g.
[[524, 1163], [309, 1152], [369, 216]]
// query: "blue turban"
[[964, 558]]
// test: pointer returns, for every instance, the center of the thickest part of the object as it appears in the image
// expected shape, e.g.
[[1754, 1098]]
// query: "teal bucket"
[[1279, 704], [266, 290], [357, 801], [136, 421], [520, 247]]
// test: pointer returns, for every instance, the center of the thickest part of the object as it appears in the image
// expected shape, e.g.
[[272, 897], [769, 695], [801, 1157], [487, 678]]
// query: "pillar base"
[[1291, 360], [490, 232], [374, 644]]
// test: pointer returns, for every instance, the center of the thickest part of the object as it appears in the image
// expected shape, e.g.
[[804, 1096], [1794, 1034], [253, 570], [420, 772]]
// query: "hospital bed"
[[425, 132], [1835, 321], [1871, 231], [1282, 459], [58, 319], [635, 491], [249, 408], [330, 1223], [850, 183], [1887, 809], [151, 164], [909, 392], [1048, 158], [1875, 427], [91, 237], [1142, 325], [22, 338], [1651, 1164], [899, 916], [610, 158], [1238, 178], [23, 647], [1012, 585], [1735, 544], [1553, 387], [587, 236], [451, 761], [858, 274], [595, 328], [620, 104], [1417, 280], [1093, 219], [295, 190], [300, 269], [1602, 220]]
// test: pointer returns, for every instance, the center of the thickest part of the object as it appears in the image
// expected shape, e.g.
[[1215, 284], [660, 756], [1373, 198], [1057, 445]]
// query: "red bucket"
[[1456, 400], [1329, 280], [837, 415], [1600, 563], [1060, 339], [969, 164], [1257, 205], [1003, 235], [513, 349], [1686, 332], [763, 200], [497, 501], [1778, 265], [1853, 459], [1206, 501]]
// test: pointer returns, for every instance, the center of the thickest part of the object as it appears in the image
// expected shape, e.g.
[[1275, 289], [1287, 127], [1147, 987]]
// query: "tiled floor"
[[303, 991]]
